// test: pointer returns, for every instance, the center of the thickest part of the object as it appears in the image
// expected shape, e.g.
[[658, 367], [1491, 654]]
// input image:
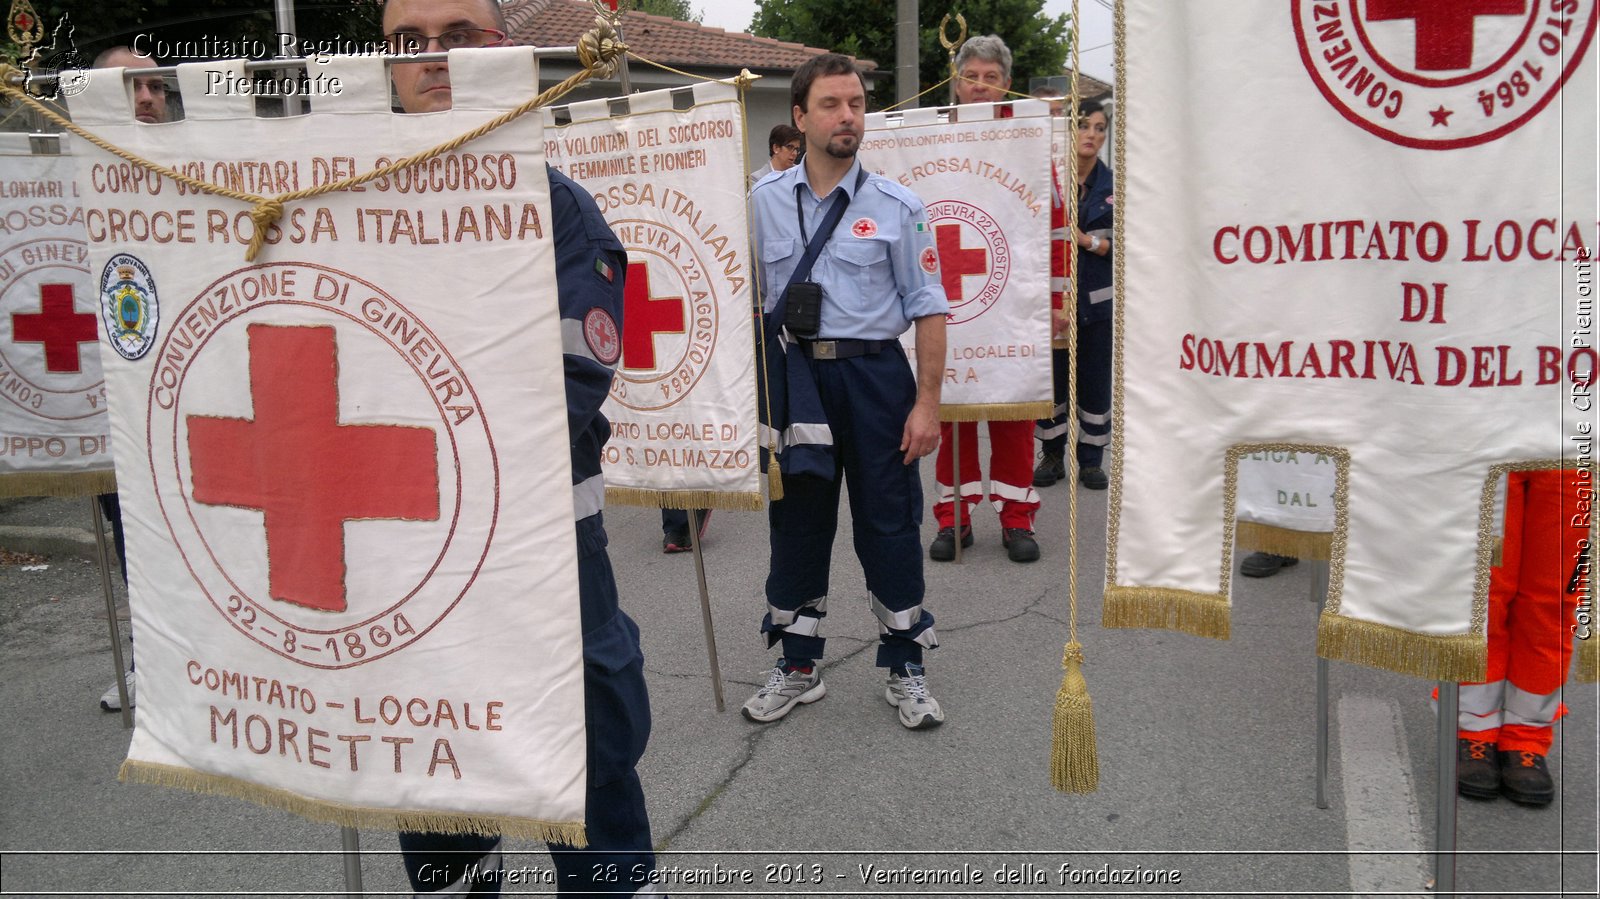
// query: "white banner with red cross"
[[53, 424], [671, 183], [345, 469], [1386, 264], [985, 180]]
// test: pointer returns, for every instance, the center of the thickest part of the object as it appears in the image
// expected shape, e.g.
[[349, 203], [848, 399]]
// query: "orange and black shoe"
[[1477, 769], [1525, 778]]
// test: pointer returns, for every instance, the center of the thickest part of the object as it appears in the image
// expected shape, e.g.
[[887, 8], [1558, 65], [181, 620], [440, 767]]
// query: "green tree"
[[866, 29], [672, 9]]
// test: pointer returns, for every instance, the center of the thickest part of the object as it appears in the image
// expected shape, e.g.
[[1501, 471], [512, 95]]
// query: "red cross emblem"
[[864, 228], [58, 326], [1444, 27], [1402, 69], [303, 469], [929, 260], [644, 316], [956, 261], [23, 21]]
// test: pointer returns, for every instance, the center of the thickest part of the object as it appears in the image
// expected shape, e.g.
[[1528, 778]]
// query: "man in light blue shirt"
[[878, 275]]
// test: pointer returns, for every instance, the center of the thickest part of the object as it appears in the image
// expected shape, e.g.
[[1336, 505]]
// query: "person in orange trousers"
[[1505, 722]]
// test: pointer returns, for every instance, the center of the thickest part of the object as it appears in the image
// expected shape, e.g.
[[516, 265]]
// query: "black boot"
[[1477, 769], [1524, 778]]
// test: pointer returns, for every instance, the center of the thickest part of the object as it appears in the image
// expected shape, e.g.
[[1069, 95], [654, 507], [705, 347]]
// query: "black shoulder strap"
[[819, 238]]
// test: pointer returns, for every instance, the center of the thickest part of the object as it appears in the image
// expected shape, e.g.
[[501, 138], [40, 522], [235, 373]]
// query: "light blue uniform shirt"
[[878, 273]]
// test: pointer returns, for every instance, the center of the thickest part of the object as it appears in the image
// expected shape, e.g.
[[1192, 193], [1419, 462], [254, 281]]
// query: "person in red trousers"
[[1505, 722]]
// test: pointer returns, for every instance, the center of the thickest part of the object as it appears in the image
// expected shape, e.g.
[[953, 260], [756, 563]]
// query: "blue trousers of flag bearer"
[[866, 399]]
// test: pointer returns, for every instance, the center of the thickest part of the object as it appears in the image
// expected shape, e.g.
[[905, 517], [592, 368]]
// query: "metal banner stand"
[[350, 841], [103, 558], [1319, 597], [955, 480], [1444, 847], [705, 608]]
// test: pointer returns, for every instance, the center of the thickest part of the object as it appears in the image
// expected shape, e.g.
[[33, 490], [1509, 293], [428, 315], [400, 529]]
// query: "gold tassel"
[[1074, 760], [774, 479]]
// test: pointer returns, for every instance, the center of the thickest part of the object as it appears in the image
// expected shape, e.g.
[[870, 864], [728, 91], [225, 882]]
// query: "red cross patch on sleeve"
[[600, 333]]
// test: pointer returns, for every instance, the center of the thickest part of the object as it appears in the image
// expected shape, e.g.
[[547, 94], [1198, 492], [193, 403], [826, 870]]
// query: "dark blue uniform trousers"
[[866, 400], [1094, 396], [617, 721]]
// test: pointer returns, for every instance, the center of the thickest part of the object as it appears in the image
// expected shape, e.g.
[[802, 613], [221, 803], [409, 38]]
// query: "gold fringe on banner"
[[998, 411], [683, 499], [1450, 657], [1268, 538], [1074, 759], [569, 832], [58, 483], [1588, 659], [1200, 614]]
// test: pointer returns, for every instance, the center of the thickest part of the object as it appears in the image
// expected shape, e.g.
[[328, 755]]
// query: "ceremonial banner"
[[1285, 503], [986, 183], [1388, 263], [347, 484], [671, 183], [53, 439]]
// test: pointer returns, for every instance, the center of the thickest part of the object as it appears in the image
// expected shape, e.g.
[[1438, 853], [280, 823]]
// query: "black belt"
[[842, 349]]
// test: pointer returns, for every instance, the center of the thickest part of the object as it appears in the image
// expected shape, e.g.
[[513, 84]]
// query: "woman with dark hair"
[[1092, 270]]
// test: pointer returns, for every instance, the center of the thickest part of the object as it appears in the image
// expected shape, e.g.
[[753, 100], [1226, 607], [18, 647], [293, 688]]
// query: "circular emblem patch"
[[600, 332], [1442, 74], [322, 462], [974, 259], [48, 362], [929, 259], [864, 227], [670, 314], [128, 306]]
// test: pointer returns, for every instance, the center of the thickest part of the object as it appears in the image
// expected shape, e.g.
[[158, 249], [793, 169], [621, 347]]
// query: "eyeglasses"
[[792, 148], [412, 43]]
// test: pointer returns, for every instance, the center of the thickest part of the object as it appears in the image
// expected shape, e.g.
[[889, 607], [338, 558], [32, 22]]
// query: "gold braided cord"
[[596, 54], [1119, 128], [917, 97], [759, 302], [1074, 757], [744, 79]]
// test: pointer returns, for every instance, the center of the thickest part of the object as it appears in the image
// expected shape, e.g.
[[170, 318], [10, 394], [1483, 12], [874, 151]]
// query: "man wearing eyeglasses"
[[149, 91], [783, 151], [590, 263]]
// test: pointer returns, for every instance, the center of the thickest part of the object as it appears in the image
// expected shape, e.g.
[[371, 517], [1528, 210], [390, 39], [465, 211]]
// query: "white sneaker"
[[783, 691], [111, 701], [909, 694]]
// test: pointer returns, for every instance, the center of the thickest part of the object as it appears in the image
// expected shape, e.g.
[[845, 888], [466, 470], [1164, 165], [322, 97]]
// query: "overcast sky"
[[735, 15]]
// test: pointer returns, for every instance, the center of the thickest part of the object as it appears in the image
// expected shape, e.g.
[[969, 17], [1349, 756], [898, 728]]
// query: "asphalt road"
[[1207, 748]]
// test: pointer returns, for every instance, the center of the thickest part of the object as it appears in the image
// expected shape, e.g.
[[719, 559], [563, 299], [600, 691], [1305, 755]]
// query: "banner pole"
[[350, 842], [1319, 596], [1444, 847], [705, 609], [103, 558], [955, 481]]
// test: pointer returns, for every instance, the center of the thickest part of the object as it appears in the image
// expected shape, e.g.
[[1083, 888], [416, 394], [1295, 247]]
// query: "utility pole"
[[906, 56]]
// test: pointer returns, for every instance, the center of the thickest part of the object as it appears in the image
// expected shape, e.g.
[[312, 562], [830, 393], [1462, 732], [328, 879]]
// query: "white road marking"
[[1380, 798]]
